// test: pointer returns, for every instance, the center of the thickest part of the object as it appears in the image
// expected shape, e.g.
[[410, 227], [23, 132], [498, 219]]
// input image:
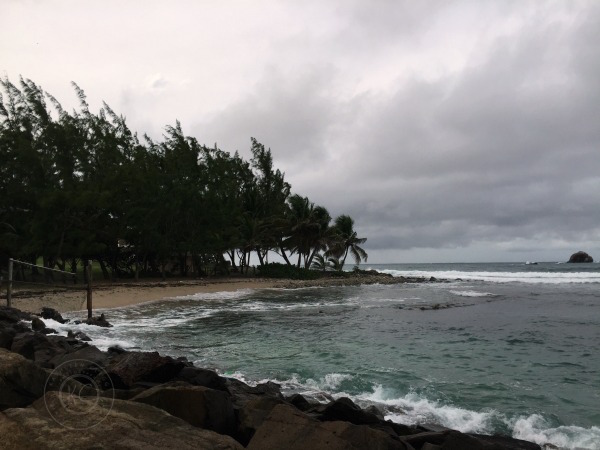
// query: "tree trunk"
[[34, 270], [344, 259], [85, 272], [284, 256], [62, 266], [231, 255], [74, 269], [105, 273], [310, 259], [260, 256], [47, 262]]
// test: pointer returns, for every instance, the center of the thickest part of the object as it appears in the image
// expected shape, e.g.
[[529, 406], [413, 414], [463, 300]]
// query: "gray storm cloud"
[[468, 129]]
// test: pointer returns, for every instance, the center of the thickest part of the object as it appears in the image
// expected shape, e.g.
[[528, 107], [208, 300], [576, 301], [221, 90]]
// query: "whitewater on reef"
[[512, 351]]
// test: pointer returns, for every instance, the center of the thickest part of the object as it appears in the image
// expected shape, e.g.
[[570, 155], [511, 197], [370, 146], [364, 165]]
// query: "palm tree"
[[319, 263], [347, 241], [308, 228]]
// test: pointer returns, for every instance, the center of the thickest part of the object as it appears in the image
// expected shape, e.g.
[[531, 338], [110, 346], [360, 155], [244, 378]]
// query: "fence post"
[[89, 288], [9, 287]]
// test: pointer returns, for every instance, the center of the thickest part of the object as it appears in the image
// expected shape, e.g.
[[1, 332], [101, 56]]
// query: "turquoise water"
[[514, 352]]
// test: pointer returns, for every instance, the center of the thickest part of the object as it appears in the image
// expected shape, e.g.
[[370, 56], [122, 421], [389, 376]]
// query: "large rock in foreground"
[[132, 367], [197, 405], [581, 257], [21, 381], [288, 428], [56, 421]]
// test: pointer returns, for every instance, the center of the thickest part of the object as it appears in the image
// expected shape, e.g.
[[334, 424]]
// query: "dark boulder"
[[78, 335], [240, 392], [84, 363], [505, 442], [38, 325], [344, 409], [455, 440], [375, 411], [13, 315], [99, 321], [202, 377], [129, 368], [197, 405], [51, 313], [35, 346], [299, 402], [116, 350], [268, 388], [288, 428], [252, 415], [21, 381], [581, 257], [49, 351], [102, 423], [9, 330]]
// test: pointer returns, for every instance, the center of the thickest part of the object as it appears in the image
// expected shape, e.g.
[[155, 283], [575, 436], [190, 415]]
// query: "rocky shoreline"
[[62, 392], [356, 278]]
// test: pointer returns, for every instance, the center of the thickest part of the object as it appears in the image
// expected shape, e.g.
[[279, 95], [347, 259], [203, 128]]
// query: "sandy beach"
[[107, 295], [113, 295]]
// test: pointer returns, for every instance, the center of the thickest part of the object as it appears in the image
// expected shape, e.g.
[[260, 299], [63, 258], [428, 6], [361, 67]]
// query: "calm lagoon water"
[[515, 352]]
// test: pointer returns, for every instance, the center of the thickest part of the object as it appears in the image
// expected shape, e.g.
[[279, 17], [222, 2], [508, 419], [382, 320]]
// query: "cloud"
[[465, 128]]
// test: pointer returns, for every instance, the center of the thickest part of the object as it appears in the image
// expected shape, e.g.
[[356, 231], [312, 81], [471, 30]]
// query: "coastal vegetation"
[[79, 186]]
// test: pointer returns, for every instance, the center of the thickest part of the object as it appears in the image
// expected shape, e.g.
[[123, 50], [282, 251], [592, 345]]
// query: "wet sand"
[[113, 295], [124, 294]]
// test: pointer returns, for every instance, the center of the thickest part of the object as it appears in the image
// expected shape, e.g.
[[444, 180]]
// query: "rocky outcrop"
[[78, 335], [107, 423], [21, 381], [287, 427], [581, 257], [127, 369], [202, 377], [145, 400], [252, 415], [38, 324], [13, 315], [99, 321], [197, 405], [51, 313]]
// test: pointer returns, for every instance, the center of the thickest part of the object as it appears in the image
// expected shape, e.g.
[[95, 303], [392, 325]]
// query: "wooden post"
[[89, 288], [9, 287]]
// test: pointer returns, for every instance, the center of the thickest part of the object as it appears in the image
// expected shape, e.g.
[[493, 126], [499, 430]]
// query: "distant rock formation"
[[581, 257]]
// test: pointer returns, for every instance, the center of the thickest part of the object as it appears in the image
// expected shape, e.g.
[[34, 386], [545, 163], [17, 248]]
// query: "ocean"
[[496, 348]]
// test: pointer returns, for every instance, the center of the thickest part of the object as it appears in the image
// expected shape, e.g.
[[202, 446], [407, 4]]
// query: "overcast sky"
[[449, 130]]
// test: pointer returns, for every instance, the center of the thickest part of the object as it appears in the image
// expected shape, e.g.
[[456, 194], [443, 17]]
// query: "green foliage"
[[80, 185], [277, 270]]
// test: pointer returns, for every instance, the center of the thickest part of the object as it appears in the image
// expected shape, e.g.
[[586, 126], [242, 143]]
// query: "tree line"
[[78, 186]]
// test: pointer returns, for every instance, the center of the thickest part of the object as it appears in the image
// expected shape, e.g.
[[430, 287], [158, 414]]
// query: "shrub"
[[278, 270]]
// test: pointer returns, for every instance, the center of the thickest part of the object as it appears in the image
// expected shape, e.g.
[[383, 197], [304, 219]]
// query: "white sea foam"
[[222, 295], [472, 294], [103, 338], [536, 429], [413, 408], [503, 277], [329, 382]]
